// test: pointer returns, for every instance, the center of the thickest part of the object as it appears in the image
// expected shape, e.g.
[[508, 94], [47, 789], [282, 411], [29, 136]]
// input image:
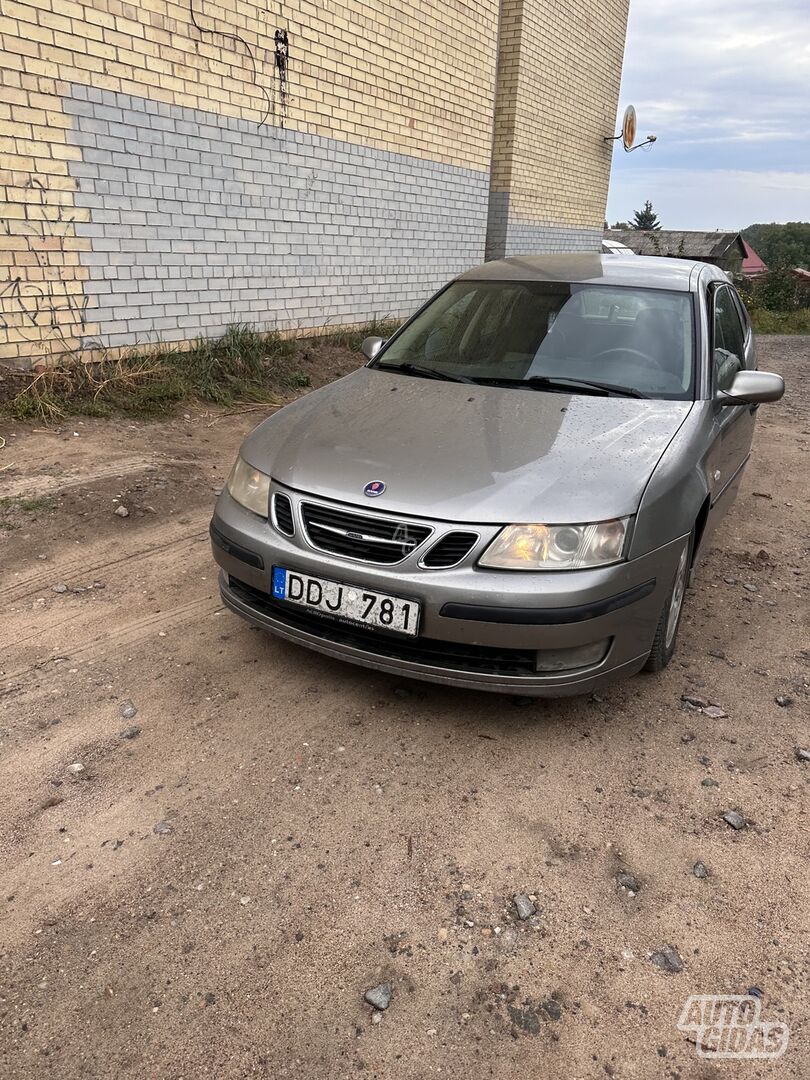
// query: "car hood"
[[466, 453]]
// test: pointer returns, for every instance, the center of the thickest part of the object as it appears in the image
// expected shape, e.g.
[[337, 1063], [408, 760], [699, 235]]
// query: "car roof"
[[643, 271]]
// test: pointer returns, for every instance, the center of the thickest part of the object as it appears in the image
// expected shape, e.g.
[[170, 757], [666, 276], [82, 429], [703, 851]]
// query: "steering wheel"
[[644, 357]]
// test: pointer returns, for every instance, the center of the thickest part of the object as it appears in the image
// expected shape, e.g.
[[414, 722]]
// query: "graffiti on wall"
[[42, 300]]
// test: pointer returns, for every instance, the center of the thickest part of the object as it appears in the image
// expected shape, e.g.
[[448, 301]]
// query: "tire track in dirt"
[[22, 638], [42, 486], [63, 568], [129, 634]]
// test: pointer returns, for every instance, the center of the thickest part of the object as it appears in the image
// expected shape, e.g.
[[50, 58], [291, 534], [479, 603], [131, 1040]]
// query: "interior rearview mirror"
[[371, 346], [752, 388]]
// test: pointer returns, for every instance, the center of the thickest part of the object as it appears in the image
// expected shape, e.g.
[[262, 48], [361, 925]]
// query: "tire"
[[666, 633]]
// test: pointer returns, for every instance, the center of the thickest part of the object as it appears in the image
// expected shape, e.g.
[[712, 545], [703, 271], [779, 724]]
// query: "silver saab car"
[[512, 493]]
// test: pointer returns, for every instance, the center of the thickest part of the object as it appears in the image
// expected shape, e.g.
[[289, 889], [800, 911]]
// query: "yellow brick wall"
[[556, 100], [414, 76], [41, 280]]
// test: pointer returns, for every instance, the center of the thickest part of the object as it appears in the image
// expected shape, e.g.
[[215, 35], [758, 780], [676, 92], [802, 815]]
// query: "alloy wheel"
[[678, 590]]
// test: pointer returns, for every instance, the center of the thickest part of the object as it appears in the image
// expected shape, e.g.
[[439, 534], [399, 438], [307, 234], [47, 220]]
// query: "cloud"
[[712, 199], [723, 84]]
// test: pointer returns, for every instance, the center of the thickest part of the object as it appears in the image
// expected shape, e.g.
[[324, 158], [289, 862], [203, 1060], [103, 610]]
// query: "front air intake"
[[283, 514], [450, 550]]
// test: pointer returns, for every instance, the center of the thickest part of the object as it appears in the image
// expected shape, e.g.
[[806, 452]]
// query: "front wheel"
[[666, 633]]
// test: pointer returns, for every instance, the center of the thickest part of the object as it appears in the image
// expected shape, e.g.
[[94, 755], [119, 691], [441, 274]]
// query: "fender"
[[678, 487]]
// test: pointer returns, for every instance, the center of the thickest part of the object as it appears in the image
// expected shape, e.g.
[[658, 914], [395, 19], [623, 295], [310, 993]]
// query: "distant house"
[[723, 249], [752, 265]]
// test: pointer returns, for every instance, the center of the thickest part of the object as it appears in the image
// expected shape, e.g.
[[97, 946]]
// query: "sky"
[[725, 85]]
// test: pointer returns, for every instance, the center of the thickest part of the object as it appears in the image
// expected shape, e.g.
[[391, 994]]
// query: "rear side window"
[[729, 339]]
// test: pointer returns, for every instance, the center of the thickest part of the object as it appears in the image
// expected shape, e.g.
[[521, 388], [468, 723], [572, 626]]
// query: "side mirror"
[[752, 388], [371, 346]]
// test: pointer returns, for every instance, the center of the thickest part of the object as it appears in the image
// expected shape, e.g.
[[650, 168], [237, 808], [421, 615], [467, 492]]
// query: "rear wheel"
[[666, 633]]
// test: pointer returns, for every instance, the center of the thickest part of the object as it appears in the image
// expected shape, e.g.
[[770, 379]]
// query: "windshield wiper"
[[424, 372], [609, 389], [562, 384]]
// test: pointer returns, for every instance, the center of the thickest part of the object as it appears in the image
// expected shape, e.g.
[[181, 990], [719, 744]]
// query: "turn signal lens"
[[557, 547], [249, 487]]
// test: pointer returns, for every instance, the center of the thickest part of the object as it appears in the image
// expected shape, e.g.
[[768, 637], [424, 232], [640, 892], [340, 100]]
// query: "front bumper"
[[480, 628]]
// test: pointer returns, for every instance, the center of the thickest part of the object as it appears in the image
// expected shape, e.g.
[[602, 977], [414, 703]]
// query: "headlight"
[[249, 487], [557, 547]]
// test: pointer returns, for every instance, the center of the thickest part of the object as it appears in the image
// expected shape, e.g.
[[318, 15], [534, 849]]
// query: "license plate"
[[348, 602]]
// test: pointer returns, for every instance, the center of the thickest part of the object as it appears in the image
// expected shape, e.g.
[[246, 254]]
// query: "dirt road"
[[212, 893]]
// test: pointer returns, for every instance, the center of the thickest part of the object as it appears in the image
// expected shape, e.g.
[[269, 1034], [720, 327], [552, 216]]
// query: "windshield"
[[539, 334]]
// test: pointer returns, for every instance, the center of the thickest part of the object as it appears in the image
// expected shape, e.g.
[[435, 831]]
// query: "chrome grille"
[[355, 536]]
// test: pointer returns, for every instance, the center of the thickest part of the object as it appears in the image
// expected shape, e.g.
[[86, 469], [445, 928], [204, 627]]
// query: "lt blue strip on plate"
[[279, 582]]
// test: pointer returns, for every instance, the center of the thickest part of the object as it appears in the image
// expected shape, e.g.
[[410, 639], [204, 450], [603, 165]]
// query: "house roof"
[[752, 263], [679, 243]]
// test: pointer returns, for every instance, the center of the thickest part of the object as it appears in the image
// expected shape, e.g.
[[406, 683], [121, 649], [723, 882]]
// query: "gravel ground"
[[215, 846]]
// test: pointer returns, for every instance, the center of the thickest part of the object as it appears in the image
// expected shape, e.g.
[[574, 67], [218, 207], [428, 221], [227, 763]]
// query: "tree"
[[781, 245], [646, 218], [778, 290], [621, 225]]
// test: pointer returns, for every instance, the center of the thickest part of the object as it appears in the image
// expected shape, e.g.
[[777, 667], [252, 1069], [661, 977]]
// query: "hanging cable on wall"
[[239, 40]]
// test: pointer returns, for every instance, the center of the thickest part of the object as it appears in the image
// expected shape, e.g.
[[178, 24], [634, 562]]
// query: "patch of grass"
[[26, 505], [781, 322], [241, 366], [127, 385], [353, 337], [297, 380]]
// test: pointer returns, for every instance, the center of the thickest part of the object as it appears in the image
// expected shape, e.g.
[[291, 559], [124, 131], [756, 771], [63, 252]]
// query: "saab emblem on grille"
[[354, 535], [374, 488]]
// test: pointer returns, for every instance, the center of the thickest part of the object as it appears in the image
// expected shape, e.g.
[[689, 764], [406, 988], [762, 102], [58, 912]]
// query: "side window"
[[729, 349], [746, 325], [743, 311]]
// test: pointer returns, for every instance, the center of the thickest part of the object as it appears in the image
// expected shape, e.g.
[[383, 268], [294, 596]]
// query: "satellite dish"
[[628, 133], [629, 127]]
